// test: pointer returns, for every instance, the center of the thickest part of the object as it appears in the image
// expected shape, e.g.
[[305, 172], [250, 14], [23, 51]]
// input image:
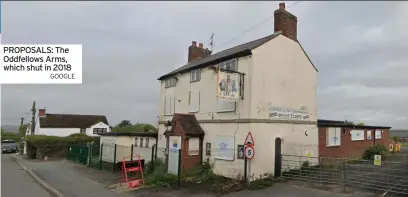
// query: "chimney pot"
[[285, 22], [281, 5], [41, 112], [195, 52]]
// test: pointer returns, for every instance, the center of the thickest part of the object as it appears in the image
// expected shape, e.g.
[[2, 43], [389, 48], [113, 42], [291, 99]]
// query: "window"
[[141, 142], [333, 137], [193, 146], [357, 135], [147, 142], [83, 131], [194, 101], [195, 75], [170, 82], [230, 65], [378, 134], [136, 142], [226, 106], [99, 130], [169, 105]]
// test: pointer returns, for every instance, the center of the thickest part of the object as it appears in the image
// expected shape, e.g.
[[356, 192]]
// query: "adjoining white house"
[[266, 87], [66, 124]]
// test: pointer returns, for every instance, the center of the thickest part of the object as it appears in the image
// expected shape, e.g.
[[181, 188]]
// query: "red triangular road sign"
[[249, 140]]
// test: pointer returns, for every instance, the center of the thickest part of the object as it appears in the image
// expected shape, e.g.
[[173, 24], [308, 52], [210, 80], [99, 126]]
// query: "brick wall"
[[348, 148]]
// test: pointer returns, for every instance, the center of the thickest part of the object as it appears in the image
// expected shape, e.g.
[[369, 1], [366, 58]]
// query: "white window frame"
[[193, 146], [375, 134], [190, 102], [169, 110], [337, 133], [170, 82], [361, 138], [226, 65], [195, 75]]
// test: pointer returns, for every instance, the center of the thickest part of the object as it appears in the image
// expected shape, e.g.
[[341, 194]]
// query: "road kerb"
[[43, 183]]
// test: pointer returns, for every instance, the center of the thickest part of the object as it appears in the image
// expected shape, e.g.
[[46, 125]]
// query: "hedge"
[[39, 146]]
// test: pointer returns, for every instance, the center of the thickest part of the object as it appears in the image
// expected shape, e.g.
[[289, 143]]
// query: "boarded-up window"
[[357, 135], [194, 101], [378, 133], [226, 106], [333, 137], [169, 105], [194, 146]]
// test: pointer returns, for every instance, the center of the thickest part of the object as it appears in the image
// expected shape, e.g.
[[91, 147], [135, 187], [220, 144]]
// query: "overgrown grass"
[[404, 144], [156, 174]]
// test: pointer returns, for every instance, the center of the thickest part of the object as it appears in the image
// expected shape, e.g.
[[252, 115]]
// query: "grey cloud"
[[358, 47]]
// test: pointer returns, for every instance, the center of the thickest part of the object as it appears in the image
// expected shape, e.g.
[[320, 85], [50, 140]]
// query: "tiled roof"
[[188, 124], [237, 51], [71, 121]]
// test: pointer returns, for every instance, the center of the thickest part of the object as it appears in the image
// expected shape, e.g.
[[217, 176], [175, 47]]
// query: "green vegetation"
[[348, 122], [125, 126], [378, 149], [405, 144], [53, 146]]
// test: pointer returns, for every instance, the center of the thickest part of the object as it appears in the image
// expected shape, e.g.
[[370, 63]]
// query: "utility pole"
[[33, 118], [21, 123]]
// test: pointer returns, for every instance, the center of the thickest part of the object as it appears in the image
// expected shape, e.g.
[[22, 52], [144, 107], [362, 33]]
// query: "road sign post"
[[249, 152], [249, 140]]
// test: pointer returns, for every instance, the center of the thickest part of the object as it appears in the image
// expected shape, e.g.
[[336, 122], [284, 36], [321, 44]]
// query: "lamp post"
[[168, 126]]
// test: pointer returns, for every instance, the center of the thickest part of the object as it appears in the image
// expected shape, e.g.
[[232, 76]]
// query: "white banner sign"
[[228, 86], [357, 135], [287, 113]]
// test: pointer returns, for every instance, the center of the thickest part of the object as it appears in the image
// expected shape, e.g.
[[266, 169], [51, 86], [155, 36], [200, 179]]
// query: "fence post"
[[114, 159], [131, 153], [245, 168], [89, 153], [100, 157], [152, 161], [179, 169], [344, 174]]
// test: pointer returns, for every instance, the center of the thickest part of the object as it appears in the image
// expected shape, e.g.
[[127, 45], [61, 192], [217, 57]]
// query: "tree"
[[2, 130], [124, 123], [138, 127], [360, 124], [348, 122]]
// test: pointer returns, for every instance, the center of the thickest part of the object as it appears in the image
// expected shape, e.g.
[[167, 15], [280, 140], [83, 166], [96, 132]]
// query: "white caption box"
[[40, 64]]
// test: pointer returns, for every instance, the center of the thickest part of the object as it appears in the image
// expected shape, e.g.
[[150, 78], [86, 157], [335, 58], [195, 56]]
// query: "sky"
[[359, 48]]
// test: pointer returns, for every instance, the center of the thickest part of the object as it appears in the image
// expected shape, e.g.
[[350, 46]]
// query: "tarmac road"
[[16, 182]]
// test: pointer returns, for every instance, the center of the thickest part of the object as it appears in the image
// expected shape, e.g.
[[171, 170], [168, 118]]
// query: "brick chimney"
[[285, 22], [197, 52], [41, 113]]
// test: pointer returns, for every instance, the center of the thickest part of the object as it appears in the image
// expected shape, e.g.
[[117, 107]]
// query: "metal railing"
[[388, 176]]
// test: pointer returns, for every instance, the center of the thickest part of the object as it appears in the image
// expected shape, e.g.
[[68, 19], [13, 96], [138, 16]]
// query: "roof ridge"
[[75, 114], [237, 50], [271, 35]]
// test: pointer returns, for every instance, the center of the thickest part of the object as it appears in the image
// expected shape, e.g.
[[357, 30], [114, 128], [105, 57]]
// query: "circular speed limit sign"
[[249, 152]]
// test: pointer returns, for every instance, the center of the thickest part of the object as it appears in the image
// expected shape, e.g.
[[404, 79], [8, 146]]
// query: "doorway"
[[174, 147], [278, 157]]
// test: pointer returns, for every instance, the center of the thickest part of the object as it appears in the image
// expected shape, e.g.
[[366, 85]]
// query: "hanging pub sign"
[[228, 86]]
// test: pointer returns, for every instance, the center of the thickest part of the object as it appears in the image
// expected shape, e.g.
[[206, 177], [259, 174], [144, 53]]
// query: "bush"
[[158, 176], [53, 145], [378, 149]]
